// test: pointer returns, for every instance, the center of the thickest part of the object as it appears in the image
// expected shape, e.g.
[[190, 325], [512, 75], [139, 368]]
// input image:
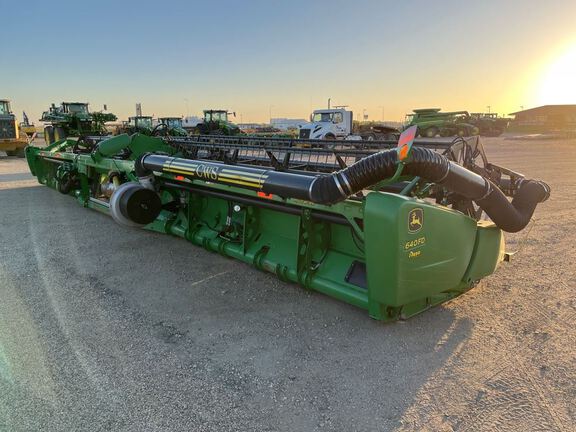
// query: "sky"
[[262, 58]]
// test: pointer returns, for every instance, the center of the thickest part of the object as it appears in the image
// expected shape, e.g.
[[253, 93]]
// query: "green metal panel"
[[409, 262], [489, 251]]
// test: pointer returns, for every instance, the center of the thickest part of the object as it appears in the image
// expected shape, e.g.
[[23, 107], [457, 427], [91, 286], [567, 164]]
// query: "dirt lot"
[[108, 329]]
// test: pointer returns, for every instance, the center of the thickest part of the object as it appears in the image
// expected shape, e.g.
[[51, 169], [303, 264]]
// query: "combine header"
[[393, 229]]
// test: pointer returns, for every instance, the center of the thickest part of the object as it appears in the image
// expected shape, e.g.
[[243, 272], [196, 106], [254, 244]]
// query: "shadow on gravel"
[[126, 327]]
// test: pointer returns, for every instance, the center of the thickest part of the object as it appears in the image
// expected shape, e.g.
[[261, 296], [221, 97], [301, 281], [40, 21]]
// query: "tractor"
[[489, 124], [137, 124], [12, 140], [170, 126], [216, 123], [432, 122], [72, 119]]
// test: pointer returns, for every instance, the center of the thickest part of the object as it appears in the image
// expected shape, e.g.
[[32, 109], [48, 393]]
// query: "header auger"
[[393, 230]]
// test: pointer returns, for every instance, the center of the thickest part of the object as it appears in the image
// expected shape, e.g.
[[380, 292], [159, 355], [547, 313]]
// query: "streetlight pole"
[[382, 112]]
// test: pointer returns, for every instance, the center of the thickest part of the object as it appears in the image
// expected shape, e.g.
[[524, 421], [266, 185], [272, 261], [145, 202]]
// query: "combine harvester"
[[393, 231]]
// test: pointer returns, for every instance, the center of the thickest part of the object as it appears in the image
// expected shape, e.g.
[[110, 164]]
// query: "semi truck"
[[337, 123]]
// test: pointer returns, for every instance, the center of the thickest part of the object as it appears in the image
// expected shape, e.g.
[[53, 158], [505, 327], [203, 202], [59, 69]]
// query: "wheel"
[[431, 132], [391, 137], [445, 132], [462, 132], [329, 137], [59, 133], [370, 137], [49, 135]]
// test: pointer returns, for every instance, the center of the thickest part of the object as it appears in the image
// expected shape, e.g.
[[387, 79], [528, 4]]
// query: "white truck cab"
[[327, 124]]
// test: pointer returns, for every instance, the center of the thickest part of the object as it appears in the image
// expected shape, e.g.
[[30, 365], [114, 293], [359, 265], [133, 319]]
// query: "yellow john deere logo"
[[415, 220]]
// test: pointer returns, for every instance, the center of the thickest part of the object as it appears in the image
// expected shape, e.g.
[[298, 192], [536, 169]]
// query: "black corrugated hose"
[[508, 216]]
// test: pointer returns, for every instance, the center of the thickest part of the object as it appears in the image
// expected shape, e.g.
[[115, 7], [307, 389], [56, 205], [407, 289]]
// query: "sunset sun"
[[558, 84]]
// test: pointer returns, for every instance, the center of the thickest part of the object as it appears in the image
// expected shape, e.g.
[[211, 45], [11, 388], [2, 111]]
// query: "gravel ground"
[[103, 328]]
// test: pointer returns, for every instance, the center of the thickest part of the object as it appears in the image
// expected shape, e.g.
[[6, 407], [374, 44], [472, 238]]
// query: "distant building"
[[286, 123], [546, 118]]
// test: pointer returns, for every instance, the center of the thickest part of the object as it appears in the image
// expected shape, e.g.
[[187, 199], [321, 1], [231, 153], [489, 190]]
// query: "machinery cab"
[[173, 126], [215, 116], [216, 122], [5, 110], [8, 128], [171, 122], [75, 108], [328, 124], [140, 122], [12, 140]]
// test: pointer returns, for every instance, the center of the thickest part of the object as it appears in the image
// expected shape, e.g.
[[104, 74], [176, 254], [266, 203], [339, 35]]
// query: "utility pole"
[[329, 99], [382, 112], [489, 108]]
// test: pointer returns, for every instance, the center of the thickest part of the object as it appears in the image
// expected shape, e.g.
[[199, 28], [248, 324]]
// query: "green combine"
[[393, 231], [432, 122], [72, 119]]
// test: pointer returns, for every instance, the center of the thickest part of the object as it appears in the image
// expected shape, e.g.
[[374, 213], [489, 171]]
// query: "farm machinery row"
[[394, 229]]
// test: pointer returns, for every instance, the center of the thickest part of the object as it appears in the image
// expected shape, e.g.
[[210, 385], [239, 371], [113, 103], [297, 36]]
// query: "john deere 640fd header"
[[391, 229]]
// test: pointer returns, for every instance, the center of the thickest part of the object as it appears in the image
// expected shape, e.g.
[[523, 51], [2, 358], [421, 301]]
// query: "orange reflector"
[[181, 178], [405, 142], [404, 152], [264, 195]]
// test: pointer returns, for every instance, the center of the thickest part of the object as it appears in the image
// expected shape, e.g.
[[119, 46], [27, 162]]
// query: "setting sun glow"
[[558, 85]]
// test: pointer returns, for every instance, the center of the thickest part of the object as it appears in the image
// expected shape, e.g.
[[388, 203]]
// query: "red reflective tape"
[[264, 195], [179, 178]]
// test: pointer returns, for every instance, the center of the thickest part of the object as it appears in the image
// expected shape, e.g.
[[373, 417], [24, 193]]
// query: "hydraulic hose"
[[332, 188]]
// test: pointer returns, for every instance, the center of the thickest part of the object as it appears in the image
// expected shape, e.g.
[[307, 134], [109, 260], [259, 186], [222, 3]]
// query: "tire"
[[329, 137], [445, 133], [370, 137], [49, 135], [462, 132], [431, 132], [391, 137], [59, 133]]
